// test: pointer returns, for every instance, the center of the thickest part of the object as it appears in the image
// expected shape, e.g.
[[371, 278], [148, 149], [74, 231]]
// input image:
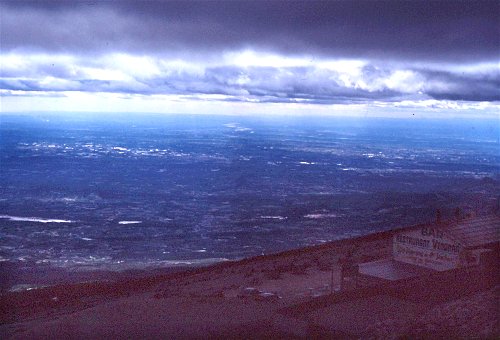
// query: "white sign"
[[427, 247]]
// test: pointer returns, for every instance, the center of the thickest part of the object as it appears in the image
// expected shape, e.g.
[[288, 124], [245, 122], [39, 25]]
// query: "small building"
[[440, 247]]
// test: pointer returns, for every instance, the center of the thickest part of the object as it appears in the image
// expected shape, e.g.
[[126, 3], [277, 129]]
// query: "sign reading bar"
[[427, 247]]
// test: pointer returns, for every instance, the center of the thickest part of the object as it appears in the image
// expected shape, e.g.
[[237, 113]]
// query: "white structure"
[[438, 248], [447, 247]]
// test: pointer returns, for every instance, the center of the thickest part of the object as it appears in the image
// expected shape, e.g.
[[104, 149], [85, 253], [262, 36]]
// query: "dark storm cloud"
[[257, 52], [419, 30]]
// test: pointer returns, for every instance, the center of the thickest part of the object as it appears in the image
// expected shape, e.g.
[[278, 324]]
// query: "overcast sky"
[[384, 58]]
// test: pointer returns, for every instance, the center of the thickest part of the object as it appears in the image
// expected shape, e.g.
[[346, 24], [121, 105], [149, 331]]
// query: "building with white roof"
[[439, 247]]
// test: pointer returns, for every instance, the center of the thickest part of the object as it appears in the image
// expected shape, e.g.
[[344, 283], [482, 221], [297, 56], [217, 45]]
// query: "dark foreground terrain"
[[286, 295]]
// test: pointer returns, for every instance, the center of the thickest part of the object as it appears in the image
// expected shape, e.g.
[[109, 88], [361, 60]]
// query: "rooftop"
[[389, 269], [475, 232]]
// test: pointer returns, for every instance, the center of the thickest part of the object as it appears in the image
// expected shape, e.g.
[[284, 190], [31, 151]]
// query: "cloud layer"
[[316, 52], [249, 76]]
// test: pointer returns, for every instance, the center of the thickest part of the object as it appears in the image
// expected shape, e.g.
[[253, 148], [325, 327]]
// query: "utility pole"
[[438, 216], [331, 282], [342, 262]]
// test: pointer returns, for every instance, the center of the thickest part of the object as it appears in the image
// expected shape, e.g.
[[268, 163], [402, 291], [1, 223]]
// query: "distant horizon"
[[410, 115]]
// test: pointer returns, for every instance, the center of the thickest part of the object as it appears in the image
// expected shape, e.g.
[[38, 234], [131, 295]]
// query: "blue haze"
[[208, 188]]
